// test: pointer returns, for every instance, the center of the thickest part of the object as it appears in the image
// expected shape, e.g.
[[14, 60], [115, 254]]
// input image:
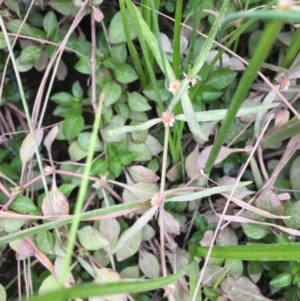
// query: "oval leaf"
[[27, 148], [148, 264], [116, 33], [86, 233], [72, 126], [137, 102], [125, 74]]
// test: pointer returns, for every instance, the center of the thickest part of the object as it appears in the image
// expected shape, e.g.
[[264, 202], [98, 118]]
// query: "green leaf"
[[142, 151], [14, 26], [137, 102], [133, 230], [63, 98], [50, 23], [11, 225], [99, 167], [37, 33], [116, 33], [150, 92], [119, 53], [127, 158], [72, 126], [2, 41], [112, 93], [220, 79], [45, 242], [66, 189], [111, 152], [83, 65], [255, 231], [84, 140], [13, 6], [282, 280], [295, 176], [148, 264], [292, 210], [3, 154], [24, 67], [91, 239], [3, 295], [76, 152], [22, 204], [83, 47], [30, 53], [125, 74], [77, 90], [131, 247], [65, 7], [210, 93], [116, 167]]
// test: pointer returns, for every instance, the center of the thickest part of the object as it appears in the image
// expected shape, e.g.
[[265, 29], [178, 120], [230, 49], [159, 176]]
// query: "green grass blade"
[[176, 39], [276, 252], [146, 53], [158, 39], [292, 50], [198, 9], [271, 15], [190, 116], [133, 52], [82, 193], [133, 230], [151, 41], [206, 192], [63, 222], [91, 290], [263, 48], [283, 133], [215, 115]]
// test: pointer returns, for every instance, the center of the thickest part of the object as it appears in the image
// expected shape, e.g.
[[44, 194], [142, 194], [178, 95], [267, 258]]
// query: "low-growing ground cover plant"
[[149, 150]]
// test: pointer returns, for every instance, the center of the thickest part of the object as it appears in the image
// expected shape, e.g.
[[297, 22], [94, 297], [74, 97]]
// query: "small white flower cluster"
[[168, 118], [156, 200], [175, 84], [282, 81]]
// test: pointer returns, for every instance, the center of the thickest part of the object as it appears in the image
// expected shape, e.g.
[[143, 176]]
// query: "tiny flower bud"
[[97, 14]]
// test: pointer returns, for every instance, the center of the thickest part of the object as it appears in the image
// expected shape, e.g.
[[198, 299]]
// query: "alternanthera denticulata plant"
[[166, 86]]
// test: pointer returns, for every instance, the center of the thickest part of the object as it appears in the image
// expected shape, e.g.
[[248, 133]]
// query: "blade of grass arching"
[[292, 50], [213, 115], [26, 110], [158, 39], [113, 210], [283, 133], [133, 230], [194, 273], [82, 192], [146, 55], [152, 42], [197, 15], [235, 36], [176, 39], [264, 46], [133, 52], [146, 13], [91, 290], [261, 252], [203, 55]]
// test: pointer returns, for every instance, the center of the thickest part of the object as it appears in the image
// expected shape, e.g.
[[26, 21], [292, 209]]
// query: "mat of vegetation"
[[149, 150]]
